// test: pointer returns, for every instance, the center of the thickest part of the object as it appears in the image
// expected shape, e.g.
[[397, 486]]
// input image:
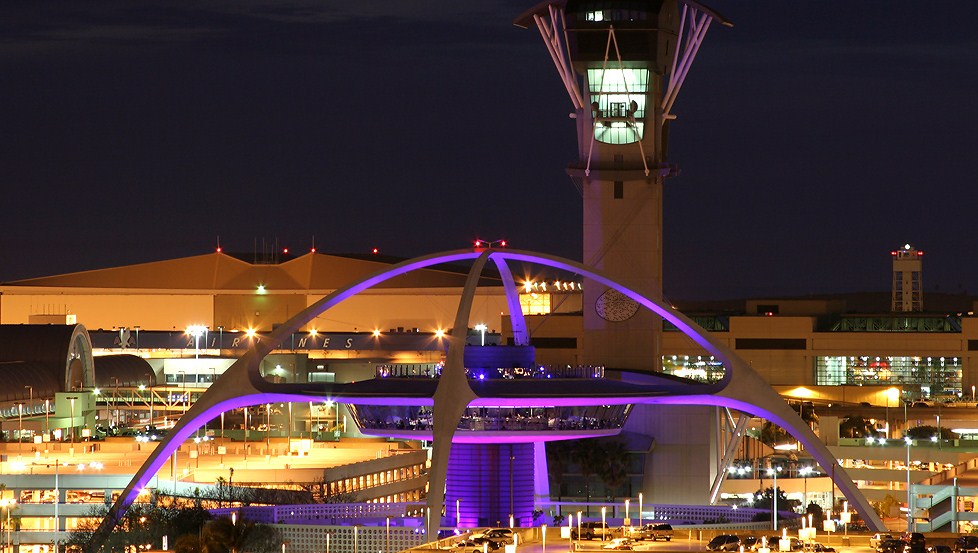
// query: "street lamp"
[[910, 528], [72, 399], [640, 509], [268, 429], [805, 471], [774, 507], [578, 527], [482, 328], [7, 505], [30, 400], [604, 511], [246, 434], [20, 431]]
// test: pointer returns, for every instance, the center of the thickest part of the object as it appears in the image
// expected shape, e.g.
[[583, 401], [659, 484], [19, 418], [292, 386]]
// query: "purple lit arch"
[[242, 384]]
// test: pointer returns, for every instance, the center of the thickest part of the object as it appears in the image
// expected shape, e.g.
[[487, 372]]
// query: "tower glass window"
[[618, 98]]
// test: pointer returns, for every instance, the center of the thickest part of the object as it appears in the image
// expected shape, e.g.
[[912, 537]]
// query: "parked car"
[[659, 531], [652, 532], [876, 539], [891, 546], [724, 542], [591, 530], [472, 546], [939, 549], [749, 543], [479, 540], [499, 534], [916, 543], [626, 544], [771, 541], [818, 547], [966, 544]]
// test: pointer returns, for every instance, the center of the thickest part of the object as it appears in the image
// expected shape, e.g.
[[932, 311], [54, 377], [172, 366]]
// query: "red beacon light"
[[483, 244], [285, 251], [374, 251]]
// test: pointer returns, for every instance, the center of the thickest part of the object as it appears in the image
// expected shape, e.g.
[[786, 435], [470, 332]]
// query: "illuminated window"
[[702, 368], [535, 304], [934, 375], [619, 95]]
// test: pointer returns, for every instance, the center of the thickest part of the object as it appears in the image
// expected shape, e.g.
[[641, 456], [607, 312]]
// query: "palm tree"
[[559, 455], [587, 455], [221, 535], [614, 466]]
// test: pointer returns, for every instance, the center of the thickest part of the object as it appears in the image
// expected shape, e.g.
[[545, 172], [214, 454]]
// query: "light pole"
[[774, 507], [482, 328], [909, 442], [289, 435], [47, 417], [7, 505], [640, 523], [268, 429], [71, 400], [30, 398], [20, 431], [222, 439], [388, 550], [604, 511], [578, 527], [511, 459], [246, 437], [805, 471]]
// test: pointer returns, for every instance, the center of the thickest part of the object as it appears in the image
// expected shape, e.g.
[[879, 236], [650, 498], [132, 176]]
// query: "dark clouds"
[[813, 137]]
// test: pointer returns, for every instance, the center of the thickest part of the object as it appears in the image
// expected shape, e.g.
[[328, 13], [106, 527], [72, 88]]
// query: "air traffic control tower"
[[623, 63]]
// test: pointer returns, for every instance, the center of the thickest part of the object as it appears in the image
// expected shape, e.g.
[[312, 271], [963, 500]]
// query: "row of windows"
[[363, 482], [934, 375]]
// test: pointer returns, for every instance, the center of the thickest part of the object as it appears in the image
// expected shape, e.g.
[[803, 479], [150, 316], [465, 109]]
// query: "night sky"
[[813, 137]]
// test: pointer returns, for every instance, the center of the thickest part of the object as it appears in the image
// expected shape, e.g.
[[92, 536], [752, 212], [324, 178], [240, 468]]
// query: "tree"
[[559, 456], [765, 500], [587, 455], [222, 535], [884, 506], [817, 513], [855, 426], [613, 469], [927, 432]]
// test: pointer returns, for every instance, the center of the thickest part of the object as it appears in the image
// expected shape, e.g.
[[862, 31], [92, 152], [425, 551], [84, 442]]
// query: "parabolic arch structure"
[[242, 384]]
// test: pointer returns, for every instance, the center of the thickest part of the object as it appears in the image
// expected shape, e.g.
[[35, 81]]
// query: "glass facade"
[[934, 375], [702, 368], [411, 417], [535, 303], [619, 96]]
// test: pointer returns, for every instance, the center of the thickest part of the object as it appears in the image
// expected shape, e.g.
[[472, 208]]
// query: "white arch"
[[242, 384]]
